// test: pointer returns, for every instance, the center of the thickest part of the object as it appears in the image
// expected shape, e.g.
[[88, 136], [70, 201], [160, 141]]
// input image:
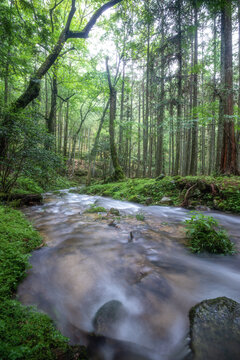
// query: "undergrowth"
[[24, 332], [221, 193], [205, 235]]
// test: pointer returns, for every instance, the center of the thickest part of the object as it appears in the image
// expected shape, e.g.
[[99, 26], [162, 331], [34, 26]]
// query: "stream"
[[91, 259]]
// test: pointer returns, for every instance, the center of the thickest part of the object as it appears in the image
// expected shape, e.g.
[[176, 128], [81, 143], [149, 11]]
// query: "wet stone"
[[115, 212], [108, 317], [215, 329]]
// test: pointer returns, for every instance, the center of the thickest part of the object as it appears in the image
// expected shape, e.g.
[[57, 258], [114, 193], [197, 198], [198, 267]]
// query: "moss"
[[215, 329], [24, 332], [95, 209], [205, 192]]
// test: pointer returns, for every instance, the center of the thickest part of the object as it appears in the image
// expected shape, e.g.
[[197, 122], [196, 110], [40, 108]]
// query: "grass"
[[95, 209], [205, 235], [221, 193], [24, 332]]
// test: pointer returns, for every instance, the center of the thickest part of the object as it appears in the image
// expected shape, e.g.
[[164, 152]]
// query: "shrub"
[[95, 209], [140, 217], [205, 235]]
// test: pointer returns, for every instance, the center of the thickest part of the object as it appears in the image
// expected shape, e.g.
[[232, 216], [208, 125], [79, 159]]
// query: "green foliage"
[[27, 156], [95, 209], [205, 235], [220, 193], [140, 217], [28, 334], [26, 185], [137, 190], [24, 332]]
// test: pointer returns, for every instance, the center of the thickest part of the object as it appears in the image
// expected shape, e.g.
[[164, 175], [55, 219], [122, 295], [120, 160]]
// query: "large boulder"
[[215, 330], [108, 317]]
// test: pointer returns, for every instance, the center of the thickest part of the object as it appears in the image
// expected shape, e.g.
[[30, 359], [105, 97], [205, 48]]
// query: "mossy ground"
[[24, 332], [221, 193]]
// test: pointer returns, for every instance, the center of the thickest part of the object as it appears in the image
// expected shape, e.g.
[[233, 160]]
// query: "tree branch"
[[85, 32]]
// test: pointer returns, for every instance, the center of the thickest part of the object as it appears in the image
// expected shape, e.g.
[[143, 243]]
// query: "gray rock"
[[148, 201], [166, 201], [108, 317], [215, 330], [113, 211], [202, 208]]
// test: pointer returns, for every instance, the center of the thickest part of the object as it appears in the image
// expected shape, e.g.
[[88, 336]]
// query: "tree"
[[118, 172], [229, 150], [33, 88]]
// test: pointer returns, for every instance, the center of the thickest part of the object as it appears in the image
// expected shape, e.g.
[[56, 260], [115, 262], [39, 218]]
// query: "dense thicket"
[[173, 69]]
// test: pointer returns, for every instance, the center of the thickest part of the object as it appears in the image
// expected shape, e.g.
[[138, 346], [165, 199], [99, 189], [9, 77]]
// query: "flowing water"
[[92, 259]]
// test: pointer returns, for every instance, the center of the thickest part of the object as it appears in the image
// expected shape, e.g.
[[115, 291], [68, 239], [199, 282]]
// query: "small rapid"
[[91, 259]]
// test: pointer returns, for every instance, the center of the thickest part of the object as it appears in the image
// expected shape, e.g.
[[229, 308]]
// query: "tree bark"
[[179, 100], [118, 172], [194, 151], [229, 149]]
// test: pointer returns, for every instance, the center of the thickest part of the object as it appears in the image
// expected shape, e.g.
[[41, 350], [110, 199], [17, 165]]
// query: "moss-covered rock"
[[215, 329]]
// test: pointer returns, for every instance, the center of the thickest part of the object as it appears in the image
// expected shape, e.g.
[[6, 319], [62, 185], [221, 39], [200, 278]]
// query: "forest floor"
[[192, 192], [24, 332]]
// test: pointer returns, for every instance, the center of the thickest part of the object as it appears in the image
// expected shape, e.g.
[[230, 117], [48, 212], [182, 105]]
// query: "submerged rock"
[[215, 330], [108, 317]]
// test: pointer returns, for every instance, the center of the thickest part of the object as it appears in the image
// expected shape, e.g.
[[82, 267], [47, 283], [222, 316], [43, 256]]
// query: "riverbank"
[[219, 193], [24, 332]]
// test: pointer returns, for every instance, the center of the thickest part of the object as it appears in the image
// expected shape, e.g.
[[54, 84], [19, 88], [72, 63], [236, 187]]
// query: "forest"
[[119, 120]]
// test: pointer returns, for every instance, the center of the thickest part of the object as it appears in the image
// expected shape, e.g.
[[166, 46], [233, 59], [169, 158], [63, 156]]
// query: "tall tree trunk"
[[65, 140], [118, 172], [212, 125], [179, 100], [238, 123], [229, 149], [93, 153], [194, 155], [145, 125], [121, 114], [160, 115], [139, 135]]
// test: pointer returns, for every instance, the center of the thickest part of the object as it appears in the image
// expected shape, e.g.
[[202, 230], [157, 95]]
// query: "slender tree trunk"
[[118, 172], [194, 155], [93, 153], [145, 125], [238, 123], [139, 135], [160, 116], [179, 101], [212, 126], [121, 114], [65, 140]]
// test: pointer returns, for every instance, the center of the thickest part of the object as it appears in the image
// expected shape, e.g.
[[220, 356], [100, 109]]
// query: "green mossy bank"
[[24, 332], [220, 193]]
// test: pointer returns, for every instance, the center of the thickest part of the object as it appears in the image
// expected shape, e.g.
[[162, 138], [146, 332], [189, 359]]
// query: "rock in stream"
[[215, 330]]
